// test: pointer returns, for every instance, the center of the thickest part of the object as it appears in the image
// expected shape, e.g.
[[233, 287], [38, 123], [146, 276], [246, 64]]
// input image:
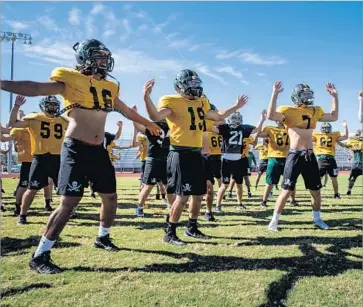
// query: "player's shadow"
[[17, 245], [16, 291], [312, 263]]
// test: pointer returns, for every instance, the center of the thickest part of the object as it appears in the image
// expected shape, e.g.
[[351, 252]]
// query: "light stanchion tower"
[[11, 37]]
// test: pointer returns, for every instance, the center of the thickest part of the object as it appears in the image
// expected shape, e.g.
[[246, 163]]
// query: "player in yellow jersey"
[[356, 145], [263, 158], [46, 137], [185, 114], [21, 137], [88, 97], [300, 120], [277, 149], [324, 148]]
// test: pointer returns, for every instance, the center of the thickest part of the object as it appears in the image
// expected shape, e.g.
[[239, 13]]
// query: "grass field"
[[242, 265]]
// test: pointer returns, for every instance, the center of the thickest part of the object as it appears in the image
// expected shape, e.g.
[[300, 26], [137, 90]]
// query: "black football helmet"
[[326, 128], [50, 104], [235, 119], [188, 83], [302, 95], [91, 50]]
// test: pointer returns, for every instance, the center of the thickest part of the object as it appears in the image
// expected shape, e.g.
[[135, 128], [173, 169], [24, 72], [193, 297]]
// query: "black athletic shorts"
[[143, 163], [356, 171], [186, 173], [208, 168], [328, 165], [262, 166], [82, 162], [155, 171], [43, 167], [215, 163], [245, 166], [301, 162], [24, 174], [232, 168]]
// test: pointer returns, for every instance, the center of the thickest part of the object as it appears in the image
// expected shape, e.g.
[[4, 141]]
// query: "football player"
[[155, 165], [21, 137], [324, 148], [356, 145], [300, 120], [88, 97], [278, 147], [140, 140], [46, 136], [185, 114], [233, 163], [262, 155]]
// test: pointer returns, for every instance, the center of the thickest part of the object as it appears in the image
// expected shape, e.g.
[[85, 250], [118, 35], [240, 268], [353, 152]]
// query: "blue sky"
[[236, 47]]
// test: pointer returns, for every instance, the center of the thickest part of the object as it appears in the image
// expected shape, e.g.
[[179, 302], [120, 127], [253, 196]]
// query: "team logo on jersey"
[[187, 187], [34, 184], [335, 171], [24, 182], [226, 179], [153, 180], [74, 187]]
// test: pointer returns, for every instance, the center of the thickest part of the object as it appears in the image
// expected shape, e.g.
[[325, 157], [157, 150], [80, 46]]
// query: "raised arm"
[[342, 144], [7, 138], [119, 130], [135, 143], [30, 88], [5, 130], [260, 123], [220, 115], [131, 114], [360, 110], [333, 115], [345, 134], [153, 112], [272, 114], [262, 135], [13, 122]]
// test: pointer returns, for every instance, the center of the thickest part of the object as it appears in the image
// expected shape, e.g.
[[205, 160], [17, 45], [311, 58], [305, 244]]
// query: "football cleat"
[[195, 233], [320, 224], [43, 264], [173, 239], [106, 244], [219, 210], [139, 212], [208, 216], [22, 220], [272, 227]]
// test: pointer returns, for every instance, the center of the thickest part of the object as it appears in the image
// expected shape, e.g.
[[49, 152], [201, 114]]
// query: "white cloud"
[[97, 8], [17, 25], [196, 47], [172, 35], [74, 17], [233, 72], [141, 14], [127, 7], [223, 54], [206, 71], [261, 74], [90, 27], [137, 61], [180, 43], [48, 23], [169, 19], [142, 27], [108, 33], [255, 58]]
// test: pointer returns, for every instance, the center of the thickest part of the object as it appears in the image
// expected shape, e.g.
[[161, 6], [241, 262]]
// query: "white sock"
[[316, 215], [44, 246], [275, 218], [102, 231]]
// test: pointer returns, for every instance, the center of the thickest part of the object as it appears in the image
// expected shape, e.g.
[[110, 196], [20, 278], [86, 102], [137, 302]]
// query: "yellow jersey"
[[304, 117], [355, 144], [22, 138], [187, 122], [279, 142], [246, 145], [109, 150], [46, 133], [325, 143], [144, 146], [262, 152], [215, 143], [85, 90]]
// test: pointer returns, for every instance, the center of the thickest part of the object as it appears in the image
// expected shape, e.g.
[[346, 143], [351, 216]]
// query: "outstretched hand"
[[241, 101], [148, 87], [20, 100], [330, 87], [277, 87]]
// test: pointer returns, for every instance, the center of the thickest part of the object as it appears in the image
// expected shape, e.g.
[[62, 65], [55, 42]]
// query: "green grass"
[[244, 265]]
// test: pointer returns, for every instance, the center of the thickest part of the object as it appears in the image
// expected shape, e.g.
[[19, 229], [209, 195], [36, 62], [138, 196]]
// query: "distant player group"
[[188, 143]]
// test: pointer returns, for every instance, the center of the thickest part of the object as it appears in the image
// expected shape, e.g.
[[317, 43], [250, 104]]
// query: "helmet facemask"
[[50, 105], [326, 128], [302, 95], [235, 120], [189, 86]]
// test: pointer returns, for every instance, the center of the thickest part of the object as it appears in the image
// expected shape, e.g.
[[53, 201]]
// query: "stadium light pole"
[[12, 37]]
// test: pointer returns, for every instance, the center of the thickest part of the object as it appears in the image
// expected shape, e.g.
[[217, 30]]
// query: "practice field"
[[242, 265]]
